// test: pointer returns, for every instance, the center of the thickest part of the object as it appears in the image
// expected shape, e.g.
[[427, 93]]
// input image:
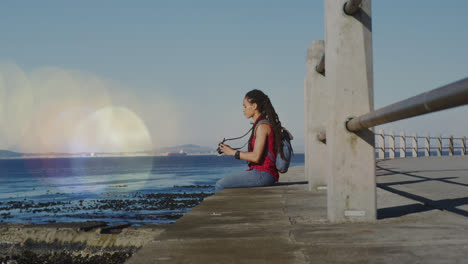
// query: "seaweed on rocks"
[[127, 208], [30, 257], [32, 252]]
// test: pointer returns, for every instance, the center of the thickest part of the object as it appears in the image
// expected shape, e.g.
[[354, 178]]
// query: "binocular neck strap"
[[228, 139]]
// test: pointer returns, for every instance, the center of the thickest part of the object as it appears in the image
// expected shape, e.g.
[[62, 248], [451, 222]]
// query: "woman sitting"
[[266, 137]]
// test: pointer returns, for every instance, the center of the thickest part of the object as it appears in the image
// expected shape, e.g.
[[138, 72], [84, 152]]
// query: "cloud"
[[60, 110]]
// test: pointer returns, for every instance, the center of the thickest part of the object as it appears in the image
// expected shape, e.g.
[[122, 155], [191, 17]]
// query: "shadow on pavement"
[[449, 205], [290, 183]]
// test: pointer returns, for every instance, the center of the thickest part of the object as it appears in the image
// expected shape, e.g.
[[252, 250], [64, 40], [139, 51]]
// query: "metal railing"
[[431, 146], [320, 68], [352, 6], [349, 8], [448, 96], [345, 163]]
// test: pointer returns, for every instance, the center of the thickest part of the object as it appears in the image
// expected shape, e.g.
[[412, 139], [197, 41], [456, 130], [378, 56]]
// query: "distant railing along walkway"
[[417, 146]]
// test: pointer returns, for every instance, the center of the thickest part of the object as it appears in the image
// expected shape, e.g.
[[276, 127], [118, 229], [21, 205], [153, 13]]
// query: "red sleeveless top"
[[265, 163]]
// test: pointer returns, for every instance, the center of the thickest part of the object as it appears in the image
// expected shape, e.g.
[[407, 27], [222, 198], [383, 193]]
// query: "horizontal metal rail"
[[351, 6], [320, 67], [432, 147], [322, 137], [448, 96]]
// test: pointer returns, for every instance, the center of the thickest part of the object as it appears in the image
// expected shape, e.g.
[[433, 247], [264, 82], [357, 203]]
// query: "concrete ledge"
[[288, 224]]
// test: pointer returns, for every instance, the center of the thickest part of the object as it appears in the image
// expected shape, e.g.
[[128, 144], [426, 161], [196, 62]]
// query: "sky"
[[111, 76]]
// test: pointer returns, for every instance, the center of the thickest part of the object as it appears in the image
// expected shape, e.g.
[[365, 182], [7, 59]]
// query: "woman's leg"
[[250, 178]]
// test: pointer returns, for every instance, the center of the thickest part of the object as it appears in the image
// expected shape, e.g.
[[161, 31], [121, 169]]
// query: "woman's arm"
[[260, 140]]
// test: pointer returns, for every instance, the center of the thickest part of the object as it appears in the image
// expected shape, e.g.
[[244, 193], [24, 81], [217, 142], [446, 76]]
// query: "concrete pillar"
[[415, 145], [316, 115], [391, 145], [427, 146], [381, 144], [402, 145], [463, 152], [451, 145], [351, 165], [439, 145]]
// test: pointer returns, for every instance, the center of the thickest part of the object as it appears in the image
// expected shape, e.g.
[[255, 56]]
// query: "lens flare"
[[113, 130], [53, 110], [110, 135], [16, 104]]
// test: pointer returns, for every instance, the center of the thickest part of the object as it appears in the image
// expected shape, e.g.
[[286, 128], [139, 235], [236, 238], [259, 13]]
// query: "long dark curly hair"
[[268, 111]]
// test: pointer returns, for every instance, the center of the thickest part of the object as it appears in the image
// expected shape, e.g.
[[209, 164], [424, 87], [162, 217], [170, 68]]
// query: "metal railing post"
[[463, 152], [351, 195], [414, 149], [439, 145], [316, 115], [391, 144], [427, 146], [402, 145], [381, 144], [451, 145]]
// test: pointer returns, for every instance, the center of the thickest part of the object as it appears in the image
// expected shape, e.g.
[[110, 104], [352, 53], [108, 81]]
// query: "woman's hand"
[[227, 150]]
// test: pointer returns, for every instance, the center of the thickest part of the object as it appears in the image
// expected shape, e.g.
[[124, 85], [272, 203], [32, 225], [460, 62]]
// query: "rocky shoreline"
[[29, 257], [136, 207], [87, 242]]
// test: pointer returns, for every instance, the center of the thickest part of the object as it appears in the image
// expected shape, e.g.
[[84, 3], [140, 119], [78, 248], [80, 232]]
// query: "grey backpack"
[[282, 165]]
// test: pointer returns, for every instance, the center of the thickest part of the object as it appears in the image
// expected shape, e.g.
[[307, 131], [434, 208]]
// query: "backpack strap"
[[271, 156], [265, 121]]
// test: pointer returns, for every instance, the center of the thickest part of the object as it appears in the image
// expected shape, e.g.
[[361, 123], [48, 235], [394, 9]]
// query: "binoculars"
[[219, 149]]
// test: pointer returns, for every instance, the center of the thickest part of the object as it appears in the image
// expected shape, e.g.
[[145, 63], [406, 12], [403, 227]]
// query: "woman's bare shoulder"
[[264, 128]]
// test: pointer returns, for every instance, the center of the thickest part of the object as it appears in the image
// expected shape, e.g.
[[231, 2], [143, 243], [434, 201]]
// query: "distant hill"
[[188, 148], [9, 154]]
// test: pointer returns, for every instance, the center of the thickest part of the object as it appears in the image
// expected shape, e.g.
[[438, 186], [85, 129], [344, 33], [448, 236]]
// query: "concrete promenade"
[[422, 218]]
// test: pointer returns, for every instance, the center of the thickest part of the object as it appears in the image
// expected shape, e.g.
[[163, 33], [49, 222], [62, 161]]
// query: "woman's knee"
[[219, 186], [230, 181]]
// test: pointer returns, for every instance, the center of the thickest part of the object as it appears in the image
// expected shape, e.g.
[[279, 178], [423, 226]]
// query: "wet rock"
[[178, 203], [116, 229], [29, 257], [193, 186]]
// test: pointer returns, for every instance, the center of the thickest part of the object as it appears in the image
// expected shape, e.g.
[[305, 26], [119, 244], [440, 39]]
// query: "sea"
[[114, 190]]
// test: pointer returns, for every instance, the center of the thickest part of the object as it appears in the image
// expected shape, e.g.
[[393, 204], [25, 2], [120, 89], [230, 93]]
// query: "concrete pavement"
[[422, 218]]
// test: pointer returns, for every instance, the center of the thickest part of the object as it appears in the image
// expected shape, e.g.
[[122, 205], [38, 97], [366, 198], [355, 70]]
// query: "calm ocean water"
[[135, 190]]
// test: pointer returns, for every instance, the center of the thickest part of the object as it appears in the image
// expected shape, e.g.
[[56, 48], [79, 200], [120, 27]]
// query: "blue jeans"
[[250, 178]]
